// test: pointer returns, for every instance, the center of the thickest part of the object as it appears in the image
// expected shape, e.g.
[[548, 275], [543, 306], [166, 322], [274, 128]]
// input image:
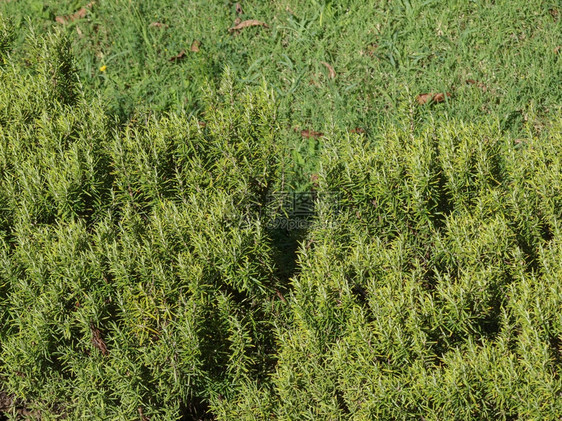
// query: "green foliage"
[[139, 277], [6, 40], [135, 270], [434, 296]]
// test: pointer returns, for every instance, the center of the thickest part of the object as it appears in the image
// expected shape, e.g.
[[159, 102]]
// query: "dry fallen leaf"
[[178, 57], [247, 24], [239, 9], [479, 84], [357, 130], [158, 25], [195, 46], [79, 14], [311, 133], [330, 69], [557, 49], [432, 97], [97, 340], [314, 179], [440, 97], [423, 98]]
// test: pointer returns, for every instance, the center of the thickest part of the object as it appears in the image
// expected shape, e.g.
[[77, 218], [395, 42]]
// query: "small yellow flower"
[[103, 68]]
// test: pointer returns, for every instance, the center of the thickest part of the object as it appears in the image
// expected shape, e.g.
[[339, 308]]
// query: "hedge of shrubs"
[[140, 279], [438, 293]]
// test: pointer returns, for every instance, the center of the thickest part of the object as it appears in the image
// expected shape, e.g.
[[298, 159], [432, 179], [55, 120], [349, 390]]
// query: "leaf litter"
[[79, 14], [247, 24], [195, 46], [178, 57], [432, 97]]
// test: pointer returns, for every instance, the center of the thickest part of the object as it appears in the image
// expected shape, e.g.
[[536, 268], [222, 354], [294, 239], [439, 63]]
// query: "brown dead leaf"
[[423, 98], [79, 14], [314, 179], [554, 13], [479, 84], [180, 56], [432, 97], [158, 25], [557, 49], [195, 46], [97, 340], [202, 124], [311, 133], [239, 9], [247, 24], [330, 69], [357, 130], [440, 97]]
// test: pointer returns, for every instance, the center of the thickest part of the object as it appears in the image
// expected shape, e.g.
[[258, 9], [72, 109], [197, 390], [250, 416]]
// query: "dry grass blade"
[[247, 24], [330, 69], [158, 25], [281, 297], [141, 414]]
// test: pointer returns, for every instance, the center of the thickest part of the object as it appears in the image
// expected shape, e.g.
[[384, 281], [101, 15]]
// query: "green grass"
[[384, 54], [132, 210]]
